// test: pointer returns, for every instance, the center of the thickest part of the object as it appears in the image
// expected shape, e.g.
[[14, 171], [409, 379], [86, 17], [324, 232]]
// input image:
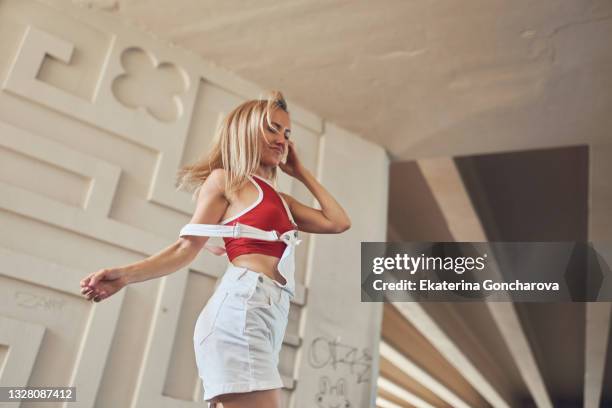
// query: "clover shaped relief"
[[148, 84]]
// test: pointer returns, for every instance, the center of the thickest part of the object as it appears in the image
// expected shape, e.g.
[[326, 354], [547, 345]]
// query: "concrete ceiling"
[[423, 78]]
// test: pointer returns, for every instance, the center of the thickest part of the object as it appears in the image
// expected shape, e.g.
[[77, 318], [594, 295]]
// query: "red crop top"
[[268, 212]]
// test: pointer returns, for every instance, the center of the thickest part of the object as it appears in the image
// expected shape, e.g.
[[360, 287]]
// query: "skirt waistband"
[[235, 273]]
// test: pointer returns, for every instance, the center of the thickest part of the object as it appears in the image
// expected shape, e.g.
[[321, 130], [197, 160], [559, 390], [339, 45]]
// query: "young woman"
[[239, 332]]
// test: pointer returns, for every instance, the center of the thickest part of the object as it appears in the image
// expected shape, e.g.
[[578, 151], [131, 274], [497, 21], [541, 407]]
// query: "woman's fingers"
[[101, 284], [90, 293], [91, 281], [85, 281], [94, 279], [88, 280], [100, 296]]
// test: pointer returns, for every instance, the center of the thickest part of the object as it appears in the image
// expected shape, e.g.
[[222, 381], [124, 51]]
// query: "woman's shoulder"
[[219, 177]]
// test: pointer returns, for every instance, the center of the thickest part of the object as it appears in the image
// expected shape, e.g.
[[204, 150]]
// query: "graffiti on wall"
[[35, 301], [332, 395], [341, 364]]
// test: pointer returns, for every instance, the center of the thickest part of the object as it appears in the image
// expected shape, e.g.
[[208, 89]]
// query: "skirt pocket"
[[205, 326], [260, 298]]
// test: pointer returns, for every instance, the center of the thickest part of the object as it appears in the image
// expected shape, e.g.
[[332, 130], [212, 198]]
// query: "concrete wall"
[[341, 335], [95, 118]]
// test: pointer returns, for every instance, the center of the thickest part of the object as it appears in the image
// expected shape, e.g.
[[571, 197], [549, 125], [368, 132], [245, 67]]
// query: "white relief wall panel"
[[24, 340], [156, 117], [39, 298], [100, 177]]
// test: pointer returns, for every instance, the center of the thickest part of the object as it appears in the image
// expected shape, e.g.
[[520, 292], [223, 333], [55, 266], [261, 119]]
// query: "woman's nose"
[[280, 140]]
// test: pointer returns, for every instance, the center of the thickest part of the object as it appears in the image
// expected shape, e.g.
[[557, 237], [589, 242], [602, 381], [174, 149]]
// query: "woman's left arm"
[[330, 219]]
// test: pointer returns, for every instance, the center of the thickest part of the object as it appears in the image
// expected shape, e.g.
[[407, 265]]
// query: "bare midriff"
[[265, 264]]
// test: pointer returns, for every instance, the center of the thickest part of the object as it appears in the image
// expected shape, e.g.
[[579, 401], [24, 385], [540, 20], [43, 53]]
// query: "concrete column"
[[338, 360]]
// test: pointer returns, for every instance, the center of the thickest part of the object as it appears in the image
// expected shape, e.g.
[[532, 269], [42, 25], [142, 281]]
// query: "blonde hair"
[[234, 147]]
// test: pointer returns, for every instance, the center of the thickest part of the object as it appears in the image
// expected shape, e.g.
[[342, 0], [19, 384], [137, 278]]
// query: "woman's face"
[[277, 138]]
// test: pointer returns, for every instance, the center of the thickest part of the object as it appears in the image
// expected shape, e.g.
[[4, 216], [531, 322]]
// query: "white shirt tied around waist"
[[286, 264], [237, 231]]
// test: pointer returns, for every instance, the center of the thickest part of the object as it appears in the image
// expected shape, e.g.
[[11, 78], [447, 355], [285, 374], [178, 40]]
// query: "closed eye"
[[277, 127]]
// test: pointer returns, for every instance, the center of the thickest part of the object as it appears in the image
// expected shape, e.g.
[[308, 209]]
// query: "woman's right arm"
[[211, 206]]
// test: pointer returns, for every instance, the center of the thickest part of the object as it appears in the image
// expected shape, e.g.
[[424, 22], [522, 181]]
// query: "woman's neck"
[[265, 172]]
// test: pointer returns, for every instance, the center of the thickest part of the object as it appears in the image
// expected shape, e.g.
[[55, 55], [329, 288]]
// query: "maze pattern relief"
[[68, 64]]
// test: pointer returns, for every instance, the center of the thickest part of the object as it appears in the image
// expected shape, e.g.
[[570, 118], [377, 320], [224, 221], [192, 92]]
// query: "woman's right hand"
[[102, 284]]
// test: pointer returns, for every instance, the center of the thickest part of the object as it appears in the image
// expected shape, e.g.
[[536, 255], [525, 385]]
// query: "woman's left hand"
[[293, 165]]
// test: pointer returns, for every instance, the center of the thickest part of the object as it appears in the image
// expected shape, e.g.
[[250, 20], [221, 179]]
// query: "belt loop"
[[280, 294], [243, 272]]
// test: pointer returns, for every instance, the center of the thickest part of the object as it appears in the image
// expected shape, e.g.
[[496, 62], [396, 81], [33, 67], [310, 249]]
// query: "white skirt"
[[239, 333]]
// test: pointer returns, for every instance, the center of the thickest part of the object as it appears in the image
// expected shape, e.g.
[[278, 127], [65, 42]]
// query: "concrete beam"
[[507, 321], [385, 403], [420, 375], [447, 347], [447, 186], [596, 346], [402, 393]]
